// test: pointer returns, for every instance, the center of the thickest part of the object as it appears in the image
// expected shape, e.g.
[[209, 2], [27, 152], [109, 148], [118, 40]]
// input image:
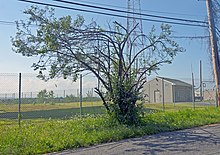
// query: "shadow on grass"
[[59, 113], [54, 114]]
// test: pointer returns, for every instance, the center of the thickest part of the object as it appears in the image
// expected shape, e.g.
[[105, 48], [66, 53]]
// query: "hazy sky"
[[196, 49]]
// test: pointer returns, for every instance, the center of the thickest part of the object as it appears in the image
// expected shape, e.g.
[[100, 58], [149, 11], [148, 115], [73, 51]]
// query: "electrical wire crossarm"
[[110, 14]]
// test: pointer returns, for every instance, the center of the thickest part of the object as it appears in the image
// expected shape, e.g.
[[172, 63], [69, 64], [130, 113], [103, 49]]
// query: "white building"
[[173, 90]]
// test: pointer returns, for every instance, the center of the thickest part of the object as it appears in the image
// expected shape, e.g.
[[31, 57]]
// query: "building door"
[[157, 98]]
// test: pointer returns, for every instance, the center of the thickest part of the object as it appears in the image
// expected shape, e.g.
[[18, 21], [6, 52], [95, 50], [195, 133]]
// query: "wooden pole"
[[214, 45]]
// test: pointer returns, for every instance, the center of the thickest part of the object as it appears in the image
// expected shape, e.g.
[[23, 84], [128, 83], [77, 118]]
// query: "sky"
[[183, 64]]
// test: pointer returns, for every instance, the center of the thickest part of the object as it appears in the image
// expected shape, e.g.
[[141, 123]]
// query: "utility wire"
[[110, 14], [7, 22], [217, 3], [190, 37], [217, 32], [2, 22], [129, 12], [143, 10], [177, 37]]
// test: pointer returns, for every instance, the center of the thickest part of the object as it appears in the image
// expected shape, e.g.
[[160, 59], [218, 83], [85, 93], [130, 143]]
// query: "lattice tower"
[[134, 6]]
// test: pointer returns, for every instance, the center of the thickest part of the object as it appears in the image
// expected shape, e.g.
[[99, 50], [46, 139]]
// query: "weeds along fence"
[[24, 96]]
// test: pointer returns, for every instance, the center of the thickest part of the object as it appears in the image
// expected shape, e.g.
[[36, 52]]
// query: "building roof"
[[176, 82]]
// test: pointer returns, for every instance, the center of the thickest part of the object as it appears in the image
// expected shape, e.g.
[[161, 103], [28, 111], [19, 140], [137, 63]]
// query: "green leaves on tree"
[[67, 47]]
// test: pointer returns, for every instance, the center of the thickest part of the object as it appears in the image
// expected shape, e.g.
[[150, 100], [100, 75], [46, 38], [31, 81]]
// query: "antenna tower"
[[134, 6]]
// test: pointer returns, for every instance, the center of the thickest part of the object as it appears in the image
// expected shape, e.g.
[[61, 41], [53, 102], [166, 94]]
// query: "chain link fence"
[[54, 99], [63, 98]]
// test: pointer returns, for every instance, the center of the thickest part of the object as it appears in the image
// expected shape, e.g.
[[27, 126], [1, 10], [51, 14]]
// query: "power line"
[[143, 10], [7, 22], [177, 37], [217, 3], [218, 32], [217, 29], [4, 22], [134, 13], [110, 14], [190, 37]]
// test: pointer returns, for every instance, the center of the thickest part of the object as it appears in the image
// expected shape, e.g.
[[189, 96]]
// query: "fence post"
[[193, 92], [216, 98], [80, 94], [19, 100], [163, 95]]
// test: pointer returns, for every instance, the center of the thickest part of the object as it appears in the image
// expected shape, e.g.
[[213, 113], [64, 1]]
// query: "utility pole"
[[214, 45]]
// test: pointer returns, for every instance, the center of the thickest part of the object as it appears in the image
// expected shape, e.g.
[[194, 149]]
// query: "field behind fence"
[[58, 98], [62, 99]]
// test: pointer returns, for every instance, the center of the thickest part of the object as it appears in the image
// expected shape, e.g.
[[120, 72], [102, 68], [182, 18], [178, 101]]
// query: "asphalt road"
[[196, 141]]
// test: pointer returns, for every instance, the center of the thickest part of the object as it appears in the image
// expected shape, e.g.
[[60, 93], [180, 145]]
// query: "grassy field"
[[54, 113], [56, 135], [177, 106], [45, 111], [68, 110], [37, 107]]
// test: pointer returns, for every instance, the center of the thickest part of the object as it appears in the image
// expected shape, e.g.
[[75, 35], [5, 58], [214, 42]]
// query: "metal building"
[[169, 90]]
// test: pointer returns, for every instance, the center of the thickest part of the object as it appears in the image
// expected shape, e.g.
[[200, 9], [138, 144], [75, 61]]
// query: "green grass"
[[54, 113], [56, 135], [48, 106], [65, 110], [175, 106]]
